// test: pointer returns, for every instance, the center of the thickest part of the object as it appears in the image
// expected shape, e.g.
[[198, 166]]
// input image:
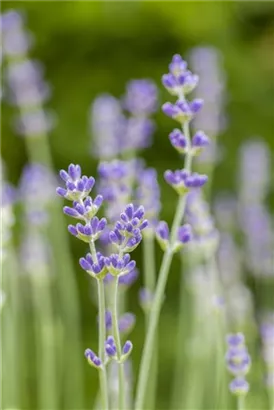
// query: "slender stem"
[[156, 307], [102, 338], [150, 281], [116, 335], [45, 339], [102, 333], [161, 284], [241, 402]]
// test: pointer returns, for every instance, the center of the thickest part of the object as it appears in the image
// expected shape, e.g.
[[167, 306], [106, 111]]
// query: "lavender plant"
[[125, 237]]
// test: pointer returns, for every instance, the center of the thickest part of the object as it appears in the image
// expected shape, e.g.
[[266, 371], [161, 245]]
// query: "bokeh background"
[[89, 48]]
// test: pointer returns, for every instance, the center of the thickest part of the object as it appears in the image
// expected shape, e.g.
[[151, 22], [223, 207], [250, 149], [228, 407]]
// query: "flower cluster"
[[127, 235], [238, 363], [179, 142], [27, 88], [111, 349], [182, 181]]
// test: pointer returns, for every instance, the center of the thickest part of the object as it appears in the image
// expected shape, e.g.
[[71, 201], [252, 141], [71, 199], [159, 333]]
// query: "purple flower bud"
[[196, 105], [162, 230], [185, 233], [200, 139], [178, 140], [127, 347], [72, 229], [110, 349], [127, 322], [89, 354]]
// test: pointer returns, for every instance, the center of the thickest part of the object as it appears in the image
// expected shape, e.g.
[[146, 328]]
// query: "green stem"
[[161, 285], [45, 339], [241, 402], [102, 338], [149, 282], [144, 372], [102, 333], [116, 335]]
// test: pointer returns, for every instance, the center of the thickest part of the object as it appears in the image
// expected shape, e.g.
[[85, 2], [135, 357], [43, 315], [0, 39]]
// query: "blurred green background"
[[93, 47]]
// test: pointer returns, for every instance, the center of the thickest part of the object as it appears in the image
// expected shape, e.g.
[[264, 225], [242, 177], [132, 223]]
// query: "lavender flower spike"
[[239, 386]]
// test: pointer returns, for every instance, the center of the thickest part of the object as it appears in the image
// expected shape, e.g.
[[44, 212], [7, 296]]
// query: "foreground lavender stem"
[[102, 332], [102, 338], [116, 335], [156, 307], [150, 282]]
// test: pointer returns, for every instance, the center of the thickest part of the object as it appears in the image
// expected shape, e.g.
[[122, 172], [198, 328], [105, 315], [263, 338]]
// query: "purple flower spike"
[[185, 233], [178, 141], [127, 348], [127, 322], [239, 386], [77, 187]]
